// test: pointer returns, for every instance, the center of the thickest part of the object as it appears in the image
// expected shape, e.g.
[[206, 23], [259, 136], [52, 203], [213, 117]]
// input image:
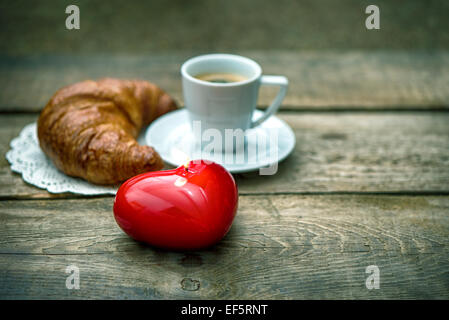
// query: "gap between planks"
[[290, 109], [404, 193]]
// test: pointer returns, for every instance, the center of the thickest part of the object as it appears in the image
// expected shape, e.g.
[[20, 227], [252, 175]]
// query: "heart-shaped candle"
[[189, 207]]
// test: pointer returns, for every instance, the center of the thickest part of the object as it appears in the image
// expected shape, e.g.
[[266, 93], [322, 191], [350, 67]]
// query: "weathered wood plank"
[[279, 247], [361, 153], [33, 27], [335, 152], [318, 80]]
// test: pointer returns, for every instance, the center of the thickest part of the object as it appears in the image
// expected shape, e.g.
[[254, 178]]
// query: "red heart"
[[189, 207]]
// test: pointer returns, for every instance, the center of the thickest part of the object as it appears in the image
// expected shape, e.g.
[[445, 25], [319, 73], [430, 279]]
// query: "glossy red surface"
[[185, 208]]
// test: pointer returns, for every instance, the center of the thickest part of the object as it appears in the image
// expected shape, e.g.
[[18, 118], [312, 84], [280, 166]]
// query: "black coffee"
[[221, 77]]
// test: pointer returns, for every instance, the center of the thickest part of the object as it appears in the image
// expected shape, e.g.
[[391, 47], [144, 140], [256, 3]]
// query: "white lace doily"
[[27, 158]]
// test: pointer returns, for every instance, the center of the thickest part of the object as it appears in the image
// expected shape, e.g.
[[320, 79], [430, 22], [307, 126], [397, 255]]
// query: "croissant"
[[89, 129]]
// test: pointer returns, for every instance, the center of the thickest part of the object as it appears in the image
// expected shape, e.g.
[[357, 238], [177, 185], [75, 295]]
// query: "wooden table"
[[367, 184]]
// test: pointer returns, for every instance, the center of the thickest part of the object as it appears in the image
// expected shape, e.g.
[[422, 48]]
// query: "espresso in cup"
[[220, 94], [222, 77]]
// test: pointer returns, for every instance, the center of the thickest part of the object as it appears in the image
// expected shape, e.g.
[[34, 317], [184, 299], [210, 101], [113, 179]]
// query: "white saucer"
[[172, 137]]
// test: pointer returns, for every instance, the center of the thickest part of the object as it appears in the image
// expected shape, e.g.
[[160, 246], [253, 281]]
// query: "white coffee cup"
[[222, 106]]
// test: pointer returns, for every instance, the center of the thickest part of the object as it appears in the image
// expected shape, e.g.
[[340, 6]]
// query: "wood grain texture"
[[335, 152], [318, 80], [31, 27], [287, 247]]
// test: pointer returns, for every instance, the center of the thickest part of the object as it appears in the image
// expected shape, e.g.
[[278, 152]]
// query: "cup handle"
[[280, 81]]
